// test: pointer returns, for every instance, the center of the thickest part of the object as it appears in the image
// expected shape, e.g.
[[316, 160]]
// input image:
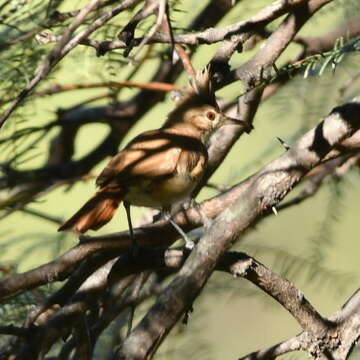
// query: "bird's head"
[[208, 118], [198, 106]]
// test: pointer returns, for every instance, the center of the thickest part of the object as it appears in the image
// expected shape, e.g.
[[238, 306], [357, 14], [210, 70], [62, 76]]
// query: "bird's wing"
[[154, 155], [148, 156]]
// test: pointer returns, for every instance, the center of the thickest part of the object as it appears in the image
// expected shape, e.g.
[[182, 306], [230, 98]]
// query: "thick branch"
[[225, 138], [260, 192], [282, 348], [338, 342], [253, 196], [238, 265]]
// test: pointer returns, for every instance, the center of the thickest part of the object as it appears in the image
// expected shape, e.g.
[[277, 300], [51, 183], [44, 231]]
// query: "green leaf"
[[308, 69], [325, 64]]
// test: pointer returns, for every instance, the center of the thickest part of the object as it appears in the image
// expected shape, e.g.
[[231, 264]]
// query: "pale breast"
[[162, 193], [158, 168]]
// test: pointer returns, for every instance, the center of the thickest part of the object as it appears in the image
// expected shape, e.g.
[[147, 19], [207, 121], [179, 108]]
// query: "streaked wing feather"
[[147, 157], [154, 154]]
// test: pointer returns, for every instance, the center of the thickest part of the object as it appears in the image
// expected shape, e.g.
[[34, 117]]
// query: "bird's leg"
[[189, 244], [134, 243], [133, 250]]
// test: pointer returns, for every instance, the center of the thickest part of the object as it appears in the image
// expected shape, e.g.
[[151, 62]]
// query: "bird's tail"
[[96, 212]]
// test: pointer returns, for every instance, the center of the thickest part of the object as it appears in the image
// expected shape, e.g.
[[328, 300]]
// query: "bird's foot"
[[189, 244], [135, 246]]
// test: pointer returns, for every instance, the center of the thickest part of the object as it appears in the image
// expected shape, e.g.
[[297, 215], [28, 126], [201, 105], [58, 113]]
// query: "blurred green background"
[[315, 244]]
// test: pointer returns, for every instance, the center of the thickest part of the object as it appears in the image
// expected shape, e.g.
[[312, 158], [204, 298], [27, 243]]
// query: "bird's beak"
[[227, 120]]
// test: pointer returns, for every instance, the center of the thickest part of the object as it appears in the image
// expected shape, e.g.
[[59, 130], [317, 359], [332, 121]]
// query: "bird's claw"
[[189, 244]]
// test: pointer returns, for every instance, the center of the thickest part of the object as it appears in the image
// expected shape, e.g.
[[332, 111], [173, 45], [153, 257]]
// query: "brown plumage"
[[96, 212], [160, 167]]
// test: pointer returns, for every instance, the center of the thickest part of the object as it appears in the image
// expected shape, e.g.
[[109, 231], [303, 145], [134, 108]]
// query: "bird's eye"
[[211, 115]]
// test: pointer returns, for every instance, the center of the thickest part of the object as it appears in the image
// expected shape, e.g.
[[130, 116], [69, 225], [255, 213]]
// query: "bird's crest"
[[200, 89], [201, 86], [198, 92]]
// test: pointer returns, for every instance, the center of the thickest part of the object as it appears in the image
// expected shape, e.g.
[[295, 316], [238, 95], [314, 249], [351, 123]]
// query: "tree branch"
[[263, 190], [28, 184], [282, 348], [260, 192], [65, 45], [208, 36], [249, 74]]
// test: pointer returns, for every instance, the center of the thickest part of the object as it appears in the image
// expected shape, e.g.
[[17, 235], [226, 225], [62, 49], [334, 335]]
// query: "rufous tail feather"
[[96, 212]]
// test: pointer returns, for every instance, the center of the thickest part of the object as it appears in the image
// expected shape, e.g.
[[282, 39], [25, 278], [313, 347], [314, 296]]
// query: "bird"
[[161, 167]]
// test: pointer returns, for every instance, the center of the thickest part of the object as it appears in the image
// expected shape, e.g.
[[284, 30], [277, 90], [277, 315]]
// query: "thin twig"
[[53, 219], [152, 86], [209, 36], [65, 45], [155, 28]]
